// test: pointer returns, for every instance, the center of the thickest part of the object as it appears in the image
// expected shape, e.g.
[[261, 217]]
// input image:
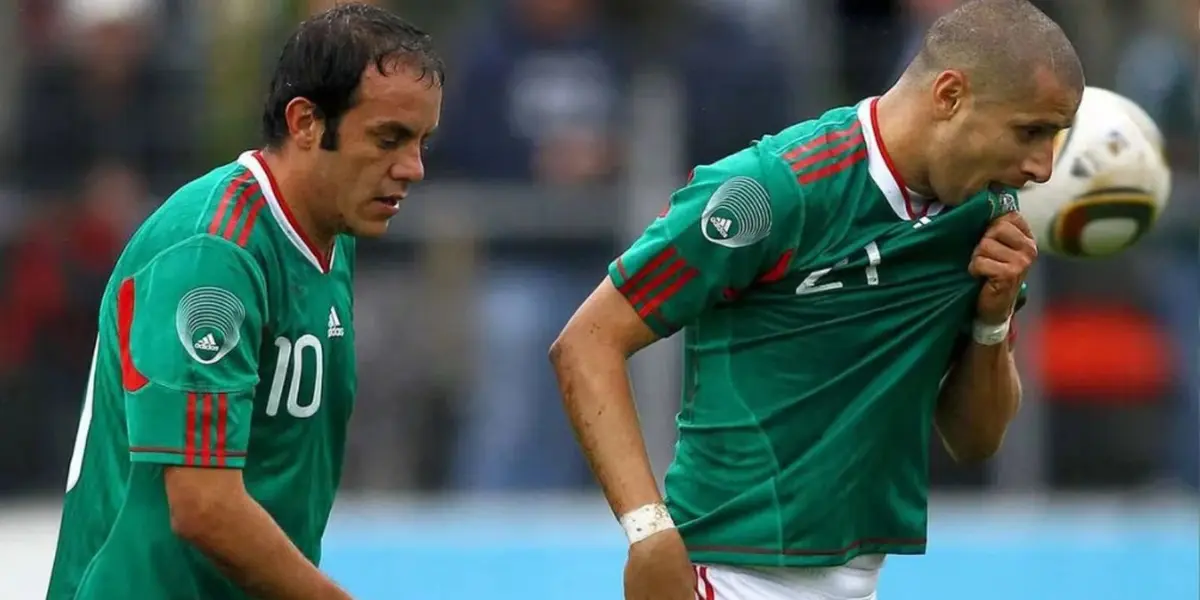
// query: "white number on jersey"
[[293, 355], [812, 285]]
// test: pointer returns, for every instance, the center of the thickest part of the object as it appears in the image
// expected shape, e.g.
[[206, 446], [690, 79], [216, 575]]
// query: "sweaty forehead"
[[400, 93], [1050, 102]]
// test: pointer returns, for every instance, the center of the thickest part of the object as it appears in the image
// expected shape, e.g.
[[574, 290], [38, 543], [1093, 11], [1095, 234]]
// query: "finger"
[[995, 250], [1008, 233], [1012, 237], [1018, 221], [988, 268]]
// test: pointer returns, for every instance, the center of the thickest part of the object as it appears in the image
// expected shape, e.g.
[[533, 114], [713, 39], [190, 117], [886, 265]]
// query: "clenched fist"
[[658, 568], [1002, 259]]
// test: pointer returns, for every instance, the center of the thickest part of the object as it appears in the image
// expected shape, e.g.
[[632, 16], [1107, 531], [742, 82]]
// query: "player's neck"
[[904, 136], [297, 193]]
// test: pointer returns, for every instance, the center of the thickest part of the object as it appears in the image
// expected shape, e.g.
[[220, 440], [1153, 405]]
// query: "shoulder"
[[801, 160], [202, 256], [224, 204], [815, 152], [214, 203]]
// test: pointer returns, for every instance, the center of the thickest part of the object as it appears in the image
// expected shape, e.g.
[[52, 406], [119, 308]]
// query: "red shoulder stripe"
[[824, 139], [230, 191], [832, 169], [666, 293], [250, 219], [222, 417], [828, 153], [189, 431], [633, 283], [243, 199]]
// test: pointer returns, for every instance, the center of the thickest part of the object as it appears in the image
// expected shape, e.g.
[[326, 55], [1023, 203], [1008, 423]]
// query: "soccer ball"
[[1110, 183]]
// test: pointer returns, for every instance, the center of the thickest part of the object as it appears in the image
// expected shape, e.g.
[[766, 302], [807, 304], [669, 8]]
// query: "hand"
[[658, 568], [1003, 257]]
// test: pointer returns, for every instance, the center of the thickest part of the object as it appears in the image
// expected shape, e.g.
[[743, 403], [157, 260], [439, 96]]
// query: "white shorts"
[[856, 580]]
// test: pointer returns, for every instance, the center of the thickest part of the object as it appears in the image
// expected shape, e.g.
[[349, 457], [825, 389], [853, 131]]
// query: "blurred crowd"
[[598, 106]]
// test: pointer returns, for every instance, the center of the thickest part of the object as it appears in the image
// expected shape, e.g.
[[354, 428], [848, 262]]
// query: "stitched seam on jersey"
[[766, 442], [256, 272], [861, 546], [178, 451]]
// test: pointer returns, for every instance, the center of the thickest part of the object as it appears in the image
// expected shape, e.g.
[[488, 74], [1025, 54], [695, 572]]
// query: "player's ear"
[[949, 93], [304, 122]]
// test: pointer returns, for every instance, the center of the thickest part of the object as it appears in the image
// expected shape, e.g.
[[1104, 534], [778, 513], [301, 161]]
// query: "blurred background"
[[567, 123]]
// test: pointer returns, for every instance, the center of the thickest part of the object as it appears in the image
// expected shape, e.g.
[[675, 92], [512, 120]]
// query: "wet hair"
[[325, 58], [999, 44]]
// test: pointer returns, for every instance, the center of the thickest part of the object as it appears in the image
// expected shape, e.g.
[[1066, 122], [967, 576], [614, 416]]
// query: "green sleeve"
[[192, 324], [715, 239]]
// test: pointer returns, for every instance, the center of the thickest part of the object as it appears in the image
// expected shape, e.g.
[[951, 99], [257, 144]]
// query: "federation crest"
[[208, 322], [738, 214], [1003, 203]]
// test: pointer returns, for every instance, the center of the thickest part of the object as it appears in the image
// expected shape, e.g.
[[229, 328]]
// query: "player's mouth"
[[393, 200], [390, 204]]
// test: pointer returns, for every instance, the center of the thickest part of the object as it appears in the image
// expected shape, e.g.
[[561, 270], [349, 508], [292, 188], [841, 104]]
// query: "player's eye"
[[1034, 133], [389, 143]]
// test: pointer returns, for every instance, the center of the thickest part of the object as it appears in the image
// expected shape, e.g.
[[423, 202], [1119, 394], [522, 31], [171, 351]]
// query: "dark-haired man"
[[210, 446], [844, 286]]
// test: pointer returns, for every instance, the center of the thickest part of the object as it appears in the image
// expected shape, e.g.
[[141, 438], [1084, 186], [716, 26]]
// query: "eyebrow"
[[1046, 124], [395, 128], [399, 129]]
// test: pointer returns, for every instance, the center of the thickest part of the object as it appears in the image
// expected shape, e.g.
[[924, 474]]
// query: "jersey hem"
[[180, 458], [752, 558]]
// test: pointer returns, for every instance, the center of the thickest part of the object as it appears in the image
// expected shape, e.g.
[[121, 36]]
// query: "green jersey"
[[225, 341], [821, 303]]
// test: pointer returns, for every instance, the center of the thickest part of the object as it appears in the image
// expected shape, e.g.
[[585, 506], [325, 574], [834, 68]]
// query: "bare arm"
[[211, 509], [979, 399], [589, 358]]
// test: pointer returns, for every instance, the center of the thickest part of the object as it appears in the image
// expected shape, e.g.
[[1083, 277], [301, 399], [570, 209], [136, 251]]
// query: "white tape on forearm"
[[643, 522], [990, 335]]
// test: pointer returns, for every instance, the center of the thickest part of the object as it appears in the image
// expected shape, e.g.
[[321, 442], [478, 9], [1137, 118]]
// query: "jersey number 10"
[[293, 355], [812, 285]]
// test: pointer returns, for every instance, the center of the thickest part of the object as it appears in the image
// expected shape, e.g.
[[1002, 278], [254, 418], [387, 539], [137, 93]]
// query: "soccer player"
[[844, 287], [212, 435]]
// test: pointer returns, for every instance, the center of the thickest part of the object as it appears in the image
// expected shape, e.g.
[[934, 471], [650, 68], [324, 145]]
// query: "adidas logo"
[[335, 324], [721, 224], [207, 343]]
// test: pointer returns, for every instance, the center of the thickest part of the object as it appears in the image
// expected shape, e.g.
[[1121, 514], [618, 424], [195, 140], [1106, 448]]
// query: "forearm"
[[599, 403], [250, 548], [979, 399]]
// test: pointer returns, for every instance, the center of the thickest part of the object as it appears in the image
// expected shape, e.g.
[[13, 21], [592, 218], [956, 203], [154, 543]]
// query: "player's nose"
[[1039, 165], [408, 166]]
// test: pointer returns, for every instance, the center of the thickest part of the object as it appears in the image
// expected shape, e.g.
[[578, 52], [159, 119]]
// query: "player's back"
[[205, 288]]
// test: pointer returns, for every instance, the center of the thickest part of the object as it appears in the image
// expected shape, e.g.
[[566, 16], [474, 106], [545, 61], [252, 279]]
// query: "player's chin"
[[369, 227]]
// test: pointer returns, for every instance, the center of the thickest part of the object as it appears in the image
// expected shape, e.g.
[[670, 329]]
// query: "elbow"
[[559, 354], [191, 519], [197, 511]]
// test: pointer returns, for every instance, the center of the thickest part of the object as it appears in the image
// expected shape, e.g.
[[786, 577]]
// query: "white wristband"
[[990, 335], [643, 522]]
